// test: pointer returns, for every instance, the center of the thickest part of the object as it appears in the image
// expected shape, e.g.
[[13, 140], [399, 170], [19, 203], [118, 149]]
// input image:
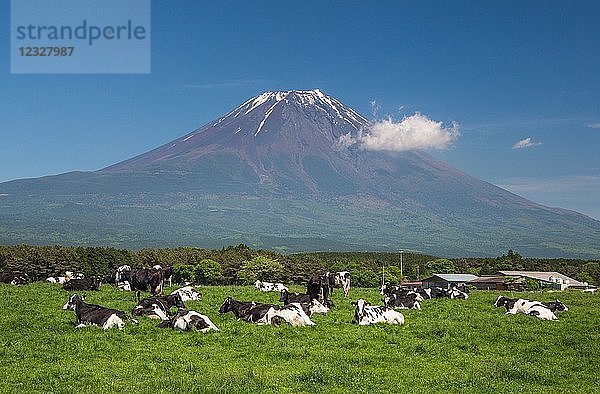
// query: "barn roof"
[[488, 279], [545, 276], [456, 277]]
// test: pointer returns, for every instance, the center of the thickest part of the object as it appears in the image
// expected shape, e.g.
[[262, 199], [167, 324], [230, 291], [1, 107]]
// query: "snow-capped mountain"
[[272, 173]]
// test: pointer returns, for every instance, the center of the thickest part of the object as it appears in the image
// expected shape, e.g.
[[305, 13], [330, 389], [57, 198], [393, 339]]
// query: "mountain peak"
[[265, 104]]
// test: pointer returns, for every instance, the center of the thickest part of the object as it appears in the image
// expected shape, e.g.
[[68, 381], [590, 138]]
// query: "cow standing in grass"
[[319, 288], [342, 279]]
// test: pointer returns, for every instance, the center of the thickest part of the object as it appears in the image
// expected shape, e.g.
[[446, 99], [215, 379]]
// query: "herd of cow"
[[296, 310]]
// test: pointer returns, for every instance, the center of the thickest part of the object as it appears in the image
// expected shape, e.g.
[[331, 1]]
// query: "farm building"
[[497, 282], [447, 280], [552, 280], [414, 283]]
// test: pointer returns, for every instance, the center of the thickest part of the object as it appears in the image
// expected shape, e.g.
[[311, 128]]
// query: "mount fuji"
[[272, 173]]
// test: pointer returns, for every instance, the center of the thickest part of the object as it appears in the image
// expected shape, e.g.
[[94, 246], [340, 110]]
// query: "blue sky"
[[505, 71]]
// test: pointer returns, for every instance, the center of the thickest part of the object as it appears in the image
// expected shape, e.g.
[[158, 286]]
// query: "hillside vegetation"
[[223, 266]]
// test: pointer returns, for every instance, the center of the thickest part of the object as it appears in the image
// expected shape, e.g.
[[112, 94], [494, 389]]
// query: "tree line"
[[243, 265]]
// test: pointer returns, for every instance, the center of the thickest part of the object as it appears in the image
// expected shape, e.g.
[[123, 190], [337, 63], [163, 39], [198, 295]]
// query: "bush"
[[530, 285], [207, 272], [183, 273], [260, 268], [362, 277]]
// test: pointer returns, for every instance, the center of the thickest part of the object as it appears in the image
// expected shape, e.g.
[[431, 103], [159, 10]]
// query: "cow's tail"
[[138, 296]]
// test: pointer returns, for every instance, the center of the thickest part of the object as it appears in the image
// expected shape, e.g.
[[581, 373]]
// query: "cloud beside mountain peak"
[[412, 132]]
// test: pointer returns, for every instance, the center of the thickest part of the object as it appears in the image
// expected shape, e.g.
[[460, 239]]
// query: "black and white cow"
[[186, 320], [122, 276], [68, 275], [188, 293], [537, 308], [400, 293], [254, 312], [424, 292], [514, 305], [342, 279], [287, 298], [408, 301], [319, 287], [315, 307], [456, 293], [158, 307], [146, 279], [541, 312], [243, 310], [268, 286], [366, 314], [14, 279], [556, 306], [167, 273], [293, 314], [90, 314], [92, 284]]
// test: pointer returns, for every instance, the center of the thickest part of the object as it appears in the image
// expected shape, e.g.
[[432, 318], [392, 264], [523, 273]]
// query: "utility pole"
[[401, 268]]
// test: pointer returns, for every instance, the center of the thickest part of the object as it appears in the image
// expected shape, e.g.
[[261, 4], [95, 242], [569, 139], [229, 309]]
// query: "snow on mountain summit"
[[266, 103]]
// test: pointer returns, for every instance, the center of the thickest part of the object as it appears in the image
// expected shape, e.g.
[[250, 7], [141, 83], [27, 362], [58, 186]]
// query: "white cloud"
[[525, 143], [412, 132], [594, 126], [375, 107]]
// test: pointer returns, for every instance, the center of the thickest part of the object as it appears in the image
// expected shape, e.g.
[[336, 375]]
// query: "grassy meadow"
[[448, 346]]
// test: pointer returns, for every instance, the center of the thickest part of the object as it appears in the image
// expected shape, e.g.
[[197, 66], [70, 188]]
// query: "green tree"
[[530, 285], [183, 273], [207, 272], [260, 268], [440, 266], [363, 277]]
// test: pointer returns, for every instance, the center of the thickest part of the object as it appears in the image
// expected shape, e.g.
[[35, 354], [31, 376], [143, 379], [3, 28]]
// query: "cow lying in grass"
[[254, 312], [96, 315], [186, 320], [92, 284], [188, 293], [309, 306], [408, 301], [268, 286], [158, 307], [366, 314], [542, 310]]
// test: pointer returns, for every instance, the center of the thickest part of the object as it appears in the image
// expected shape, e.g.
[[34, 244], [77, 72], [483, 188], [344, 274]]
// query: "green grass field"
[[449, 346]]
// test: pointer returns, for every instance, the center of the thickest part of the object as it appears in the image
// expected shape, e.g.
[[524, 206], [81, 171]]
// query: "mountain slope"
[[272, 173]]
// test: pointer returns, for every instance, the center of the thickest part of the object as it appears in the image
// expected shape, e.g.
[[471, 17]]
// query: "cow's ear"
[[353, 303]]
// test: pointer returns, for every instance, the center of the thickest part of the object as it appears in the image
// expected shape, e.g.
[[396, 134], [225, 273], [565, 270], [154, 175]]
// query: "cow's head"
[[226, 307], [359, 313], [386, 300], [72, 303], [177, 301], [560, 306], [500, 301], [283, 296]]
